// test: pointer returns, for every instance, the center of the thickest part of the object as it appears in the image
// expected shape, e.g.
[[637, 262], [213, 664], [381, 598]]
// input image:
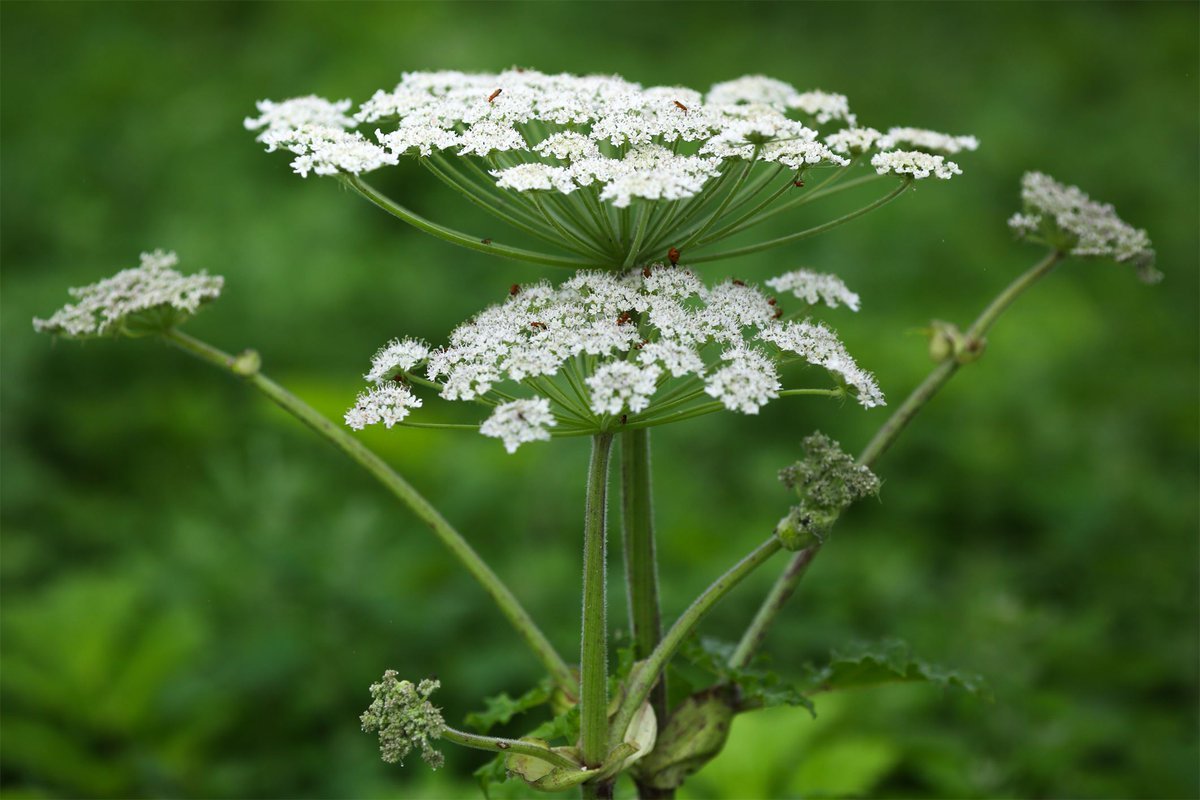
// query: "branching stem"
[[246, 367]]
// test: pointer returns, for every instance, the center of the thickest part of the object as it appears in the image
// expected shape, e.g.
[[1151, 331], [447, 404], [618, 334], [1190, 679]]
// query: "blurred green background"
[[196, 592]]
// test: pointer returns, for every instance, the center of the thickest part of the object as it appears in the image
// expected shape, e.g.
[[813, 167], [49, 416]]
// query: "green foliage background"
[[196, 592]]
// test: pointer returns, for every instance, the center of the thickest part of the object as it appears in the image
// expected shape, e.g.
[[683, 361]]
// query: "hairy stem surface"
[[641, 563], [593, 659]]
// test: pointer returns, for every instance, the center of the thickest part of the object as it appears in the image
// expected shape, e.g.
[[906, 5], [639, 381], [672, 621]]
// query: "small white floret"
[[389, 403], [915, 163], [520, 421], [397, 355], [923, 139], [813, 287], [746, 383], [621, 385]]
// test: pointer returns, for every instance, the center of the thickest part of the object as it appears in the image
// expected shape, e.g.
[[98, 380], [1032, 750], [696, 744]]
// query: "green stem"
[[716, 405], [495, 206], [453, 236], [943, 372], [752, 639], [726, 230], [823, 189], [641, 563], [724, 204], [246, 366], [785, 585], [646, 674], [804, 234], [593, 660], [638, 234], [499, 745]]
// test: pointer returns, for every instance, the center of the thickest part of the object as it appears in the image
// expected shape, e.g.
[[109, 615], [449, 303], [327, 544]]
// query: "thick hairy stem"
[[247, 367], [641, 563], [593, 659], [785, 585]]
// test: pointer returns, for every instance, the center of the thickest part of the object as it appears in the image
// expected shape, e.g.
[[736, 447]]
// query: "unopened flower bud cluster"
[[152, 293], [827, 481], [560, 133], [401, 714], [624, 336]]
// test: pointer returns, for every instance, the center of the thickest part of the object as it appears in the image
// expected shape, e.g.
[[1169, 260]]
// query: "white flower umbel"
[[388, 403], [397, 355], [852, 140], [818, 345], [1066, 218], [915, 163], [606, 350], [520, 421], [620, 385], [562, 156], [146, 299], [923, 139], [746, 383], [814, 287]]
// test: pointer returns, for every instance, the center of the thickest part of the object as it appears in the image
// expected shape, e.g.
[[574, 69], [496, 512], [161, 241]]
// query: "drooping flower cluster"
[[604, 346], [147, 298], [401, 714], [1065, 217], [539, 132]]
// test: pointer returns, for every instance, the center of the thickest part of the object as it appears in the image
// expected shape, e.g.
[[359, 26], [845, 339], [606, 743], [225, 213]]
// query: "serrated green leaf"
[[757, 686], [565, 727], [889, 661], [502, 708]]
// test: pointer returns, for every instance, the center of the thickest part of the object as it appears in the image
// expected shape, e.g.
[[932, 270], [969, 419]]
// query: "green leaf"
[[889, 661], [757, 686], [502, 708], [491, 774], [565, 726]]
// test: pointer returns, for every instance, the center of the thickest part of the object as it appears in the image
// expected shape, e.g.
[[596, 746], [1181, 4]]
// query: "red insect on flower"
[[514, 290], [737, 282], [624, 318], [624, 418], [771, 301], [673, 256], [541, 326], [798, 183], [492, 97], [778, 313], [646, 271], [680, 106]]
